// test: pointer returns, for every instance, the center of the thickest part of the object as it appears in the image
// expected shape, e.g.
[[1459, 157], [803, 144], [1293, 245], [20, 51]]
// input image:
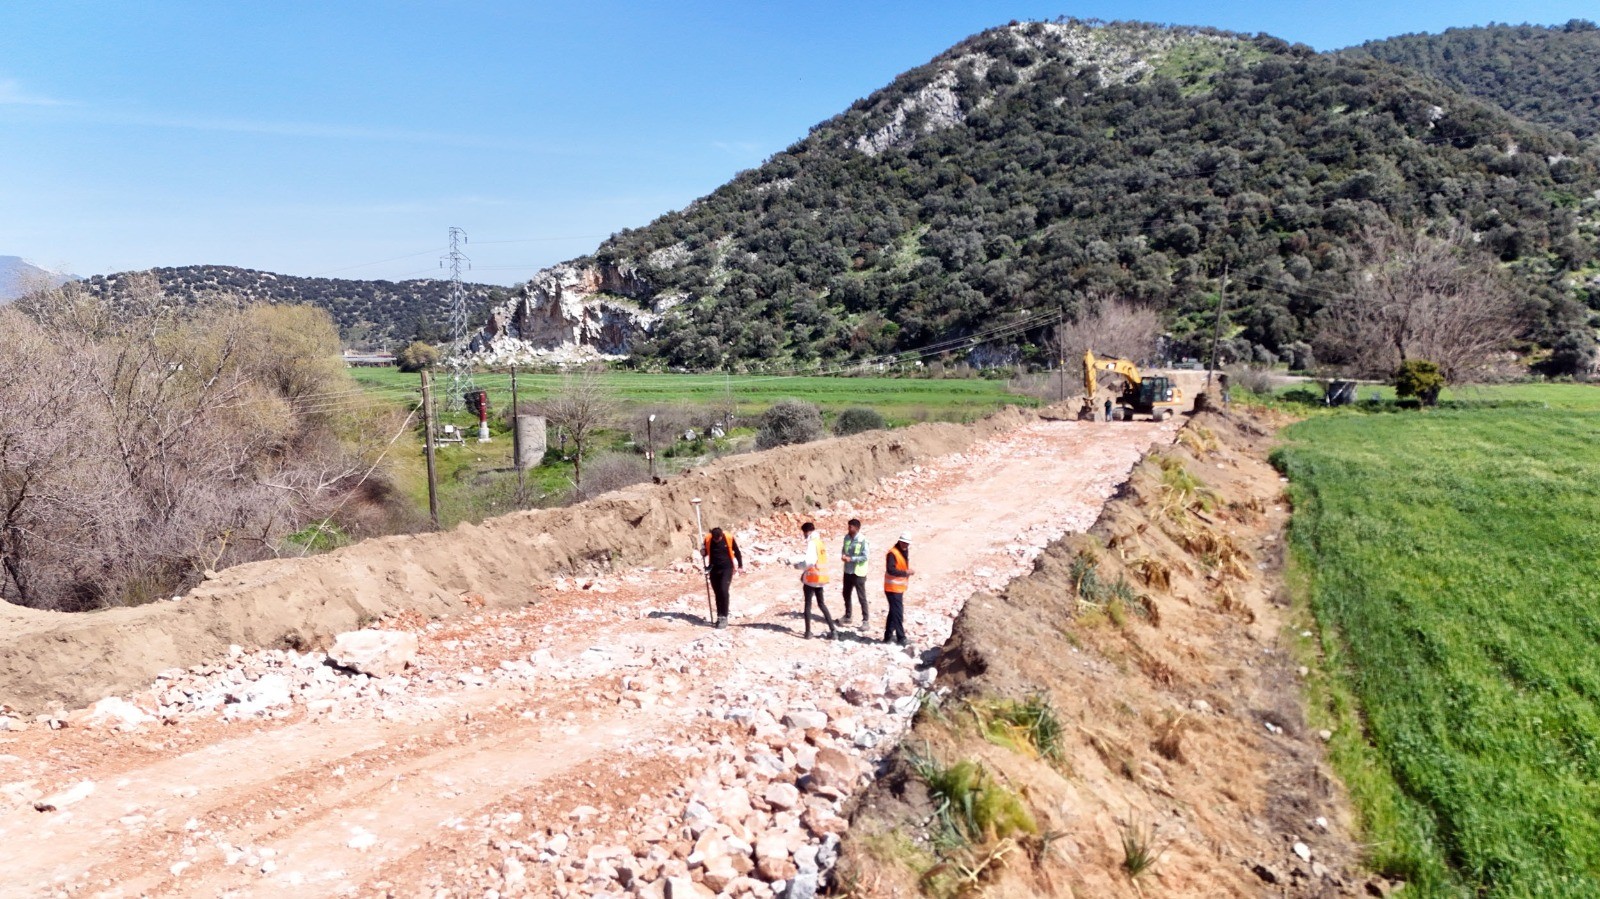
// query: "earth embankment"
[[52, 658], [1176, 753]]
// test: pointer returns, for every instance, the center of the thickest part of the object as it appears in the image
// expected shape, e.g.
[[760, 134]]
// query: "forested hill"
[[369, 314], [1546, 75], [1038, 164]]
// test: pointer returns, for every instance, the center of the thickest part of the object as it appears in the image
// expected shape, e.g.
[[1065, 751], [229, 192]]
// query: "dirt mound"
[[1156, 645], [49, 658]]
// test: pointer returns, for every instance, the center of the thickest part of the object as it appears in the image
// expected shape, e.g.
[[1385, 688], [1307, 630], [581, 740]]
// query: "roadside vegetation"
[[145, 446], [1449, 558], [695, 418]]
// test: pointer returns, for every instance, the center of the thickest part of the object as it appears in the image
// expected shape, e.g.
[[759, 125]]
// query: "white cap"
[[905, 538]]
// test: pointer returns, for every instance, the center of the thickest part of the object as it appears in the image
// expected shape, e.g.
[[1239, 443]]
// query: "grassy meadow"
[[899, 400], [1452, 559]]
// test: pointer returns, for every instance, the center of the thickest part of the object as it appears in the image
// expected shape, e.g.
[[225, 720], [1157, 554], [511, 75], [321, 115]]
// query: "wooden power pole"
[[516, 440], [1216, 334], [427, 441]]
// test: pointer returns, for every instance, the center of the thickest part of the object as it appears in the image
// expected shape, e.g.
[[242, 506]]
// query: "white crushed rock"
[[771, 752]]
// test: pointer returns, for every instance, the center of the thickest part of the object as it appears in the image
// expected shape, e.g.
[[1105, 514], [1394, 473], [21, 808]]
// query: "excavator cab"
[[1152, 390]]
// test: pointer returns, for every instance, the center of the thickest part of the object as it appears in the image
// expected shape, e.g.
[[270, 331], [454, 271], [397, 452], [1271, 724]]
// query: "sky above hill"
[[344, 139]]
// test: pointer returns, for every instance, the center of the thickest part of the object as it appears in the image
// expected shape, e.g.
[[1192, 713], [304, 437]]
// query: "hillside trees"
[[369, 314], [150, 446], [1066, 184], [1543, 74]]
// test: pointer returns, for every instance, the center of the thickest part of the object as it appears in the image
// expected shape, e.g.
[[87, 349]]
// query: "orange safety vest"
[[706, 549], [815, 576], [896, 583]]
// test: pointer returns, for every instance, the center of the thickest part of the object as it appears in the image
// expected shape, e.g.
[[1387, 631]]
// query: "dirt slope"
[[1182, 726], [595, 739], [70, 660]]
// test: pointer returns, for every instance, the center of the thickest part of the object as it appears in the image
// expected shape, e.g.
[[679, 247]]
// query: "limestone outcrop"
[[570, 312]]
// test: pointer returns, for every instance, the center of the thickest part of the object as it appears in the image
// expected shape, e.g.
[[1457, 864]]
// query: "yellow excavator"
[[1152, 395]]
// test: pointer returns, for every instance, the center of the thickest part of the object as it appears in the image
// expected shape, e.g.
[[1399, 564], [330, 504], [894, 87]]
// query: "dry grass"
[[1169, 736]]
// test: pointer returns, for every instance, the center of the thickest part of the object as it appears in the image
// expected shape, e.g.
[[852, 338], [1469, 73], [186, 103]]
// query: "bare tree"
[[47, 497], [1417, 296], [1110, 326], [583, 405], [145, 444]]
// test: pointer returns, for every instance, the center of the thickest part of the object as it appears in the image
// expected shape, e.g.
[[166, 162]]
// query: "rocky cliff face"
[[570, 310]]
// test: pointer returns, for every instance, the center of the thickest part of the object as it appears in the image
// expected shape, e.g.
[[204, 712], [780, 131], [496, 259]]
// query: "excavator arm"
[[1092, 364]]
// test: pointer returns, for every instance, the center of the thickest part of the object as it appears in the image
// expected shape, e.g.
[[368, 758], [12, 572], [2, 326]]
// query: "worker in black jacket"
[[721, 553]]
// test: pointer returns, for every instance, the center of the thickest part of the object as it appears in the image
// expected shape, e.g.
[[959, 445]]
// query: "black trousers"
[[721, 579], [858, 583], [822, 605], [894, 628]]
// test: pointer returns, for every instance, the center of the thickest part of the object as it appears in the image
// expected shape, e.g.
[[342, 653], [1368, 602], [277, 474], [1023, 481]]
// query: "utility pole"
[[1061, 358], [427, 430], [516, 439], [1216, 334], [460, 367], [650, 444]]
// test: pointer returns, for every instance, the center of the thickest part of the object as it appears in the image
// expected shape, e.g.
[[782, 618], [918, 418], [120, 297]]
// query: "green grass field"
[[899, 400], [1452, 558]]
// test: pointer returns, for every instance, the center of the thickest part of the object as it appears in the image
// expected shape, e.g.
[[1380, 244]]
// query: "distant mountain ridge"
[[1549, 75], [1037, 166], [18, 276], [369, 314]]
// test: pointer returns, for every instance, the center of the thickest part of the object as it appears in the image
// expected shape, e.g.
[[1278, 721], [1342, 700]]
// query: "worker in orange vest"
[[814, 575], [720, 552], [896, 575]]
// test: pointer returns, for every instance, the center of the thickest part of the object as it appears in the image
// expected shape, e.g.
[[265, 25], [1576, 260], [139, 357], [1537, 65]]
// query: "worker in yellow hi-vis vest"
[[814, 575]]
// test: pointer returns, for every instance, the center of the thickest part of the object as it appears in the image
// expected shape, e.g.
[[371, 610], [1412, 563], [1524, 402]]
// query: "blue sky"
[[344, 137]]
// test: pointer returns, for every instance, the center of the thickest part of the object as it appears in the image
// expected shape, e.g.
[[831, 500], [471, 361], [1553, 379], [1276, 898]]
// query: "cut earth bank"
[[631, 753], [1177, 760]]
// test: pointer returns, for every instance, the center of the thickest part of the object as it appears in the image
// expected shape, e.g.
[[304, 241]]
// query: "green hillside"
[[1038, 164], [1545, 75], [369, 314]]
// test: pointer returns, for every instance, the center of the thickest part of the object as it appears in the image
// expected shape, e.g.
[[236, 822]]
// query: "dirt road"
[[598, 741]]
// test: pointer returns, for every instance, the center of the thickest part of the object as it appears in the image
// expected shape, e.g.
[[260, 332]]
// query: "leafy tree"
[[417, 356], [1543, 74], [1421, 379]]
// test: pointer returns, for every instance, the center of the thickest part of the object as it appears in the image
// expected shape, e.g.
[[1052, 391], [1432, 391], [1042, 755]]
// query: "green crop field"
[[899, 400], [1452, 559]]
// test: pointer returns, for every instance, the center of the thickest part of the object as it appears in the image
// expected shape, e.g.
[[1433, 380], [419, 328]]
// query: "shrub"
[[1421, 379], [611, 471], [789, 421], [417, 356], [856, 420]]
